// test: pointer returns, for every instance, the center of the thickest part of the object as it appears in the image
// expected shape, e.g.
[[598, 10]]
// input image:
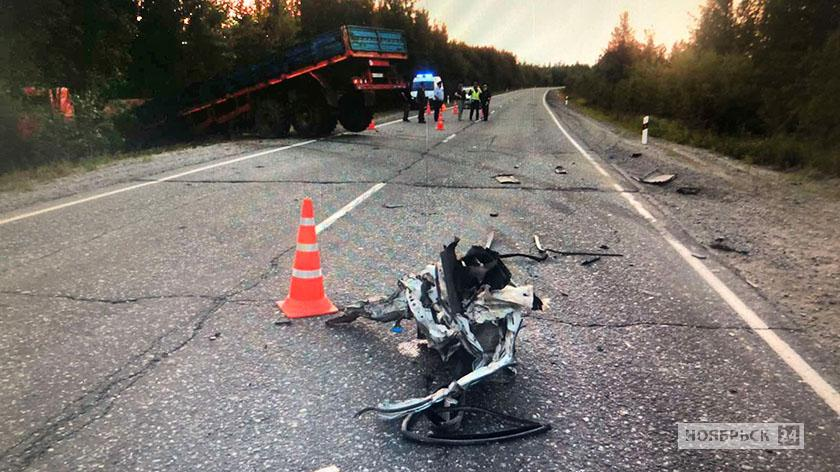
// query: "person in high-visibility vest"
[[475, 102]]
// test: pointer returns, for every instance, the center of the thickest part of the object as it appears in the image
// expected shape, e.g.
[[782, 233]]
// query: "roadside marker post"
[[645, 122]]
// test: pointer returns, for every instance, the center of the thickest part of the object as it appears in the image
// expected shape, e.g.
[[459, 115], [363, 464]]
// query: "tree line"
[[104, 50], [759, 79]]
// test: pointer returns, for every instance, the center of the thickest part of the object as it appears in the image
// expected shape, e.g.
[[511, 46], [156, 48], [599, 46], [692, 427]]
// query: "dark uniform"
[[486, 95], [405, 94], [421, 105]]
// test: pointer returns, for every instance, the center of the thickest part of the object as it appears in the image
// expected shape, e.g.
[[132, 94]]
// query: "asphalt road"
[[138, 331]]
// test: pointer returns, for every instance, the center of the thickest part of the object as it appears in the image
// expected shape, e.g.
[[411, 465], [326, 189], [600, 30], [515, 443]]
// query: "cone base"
[[306, 309]]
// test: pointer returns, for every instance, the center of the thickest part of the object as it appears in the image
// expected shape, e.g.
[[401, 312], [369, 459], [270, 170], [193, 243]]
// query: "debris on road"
[[560, 170], [468, 310], [591, 261], [215, 336], [507, 179], [654, 177], [282, 322], [699, 256], [543, 249], [636, 154], [494, 214], [688, 190], [392, 205], [720, 244]]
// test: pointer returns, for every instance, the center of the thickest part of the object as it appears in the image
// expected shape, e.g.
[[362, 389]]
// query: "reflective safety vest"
[[475, 94]]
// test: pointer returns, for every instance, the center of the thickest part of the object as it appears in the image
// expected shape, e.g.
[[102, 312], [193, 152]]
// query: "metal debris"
[[656, 178], [392, 205], [560, 170], [464, 307], [688, 190], [494, 214], [699, 256], [282, 322], [215, 336], [721, 245], [507, 179]]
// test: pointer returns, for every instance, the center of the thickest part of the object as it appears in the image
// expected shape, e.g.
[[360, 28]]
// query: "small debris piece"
[[721, 245], [507, 179], [604, 246], [282, 322], [656, 178], [393, 205], [651, 294], [590, 261], [516, 166], [494, 214], [599, 348], [489, 241], [688, 190], [330, 468], [560, 170], [538, 244], [699, 256], [215, 336], [636, 154], [751, 283], [397, 329]]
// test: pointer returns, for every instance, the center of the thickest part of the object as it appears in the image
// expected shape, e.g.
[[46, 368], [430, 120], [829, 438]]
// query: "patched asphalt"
[[139, 330]]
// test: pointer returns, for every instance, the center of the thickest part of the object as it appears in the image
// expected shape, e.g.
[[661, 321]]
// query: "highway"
[[139, 331]]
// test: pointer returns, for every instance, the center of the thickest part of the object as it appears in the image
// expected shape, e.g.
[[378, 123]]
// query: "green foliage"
[[758, 81]]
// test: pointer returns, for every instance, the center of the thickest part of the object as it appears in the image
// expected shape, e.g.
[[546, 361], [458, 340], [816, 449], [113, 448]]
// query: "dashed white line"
[[449, 138], [810, 376], [346, 208]]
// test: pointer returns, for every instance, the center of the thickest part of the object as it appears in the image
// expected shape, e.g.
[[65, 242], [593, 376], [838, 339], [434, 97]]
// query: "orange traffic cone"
[[306, 292], [455, 110], [428, 108], [442, 107], [440, 123], [372, 125]]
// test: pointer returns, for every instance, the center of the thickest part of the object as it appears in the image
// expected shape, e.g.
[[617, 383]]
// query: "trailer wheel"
[[271, 119], [311, 115], [352, 112]]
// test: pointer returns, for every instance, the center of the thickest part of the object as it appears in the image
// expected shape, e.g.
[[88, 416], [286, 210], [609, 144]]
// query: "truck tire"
[[271, 119], [312, 116], [352, 112]]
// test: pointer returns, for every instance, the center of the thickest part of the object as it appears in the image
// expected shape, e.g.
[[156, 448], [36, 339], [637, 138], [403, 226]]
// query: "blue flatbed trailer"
[[331, 78]]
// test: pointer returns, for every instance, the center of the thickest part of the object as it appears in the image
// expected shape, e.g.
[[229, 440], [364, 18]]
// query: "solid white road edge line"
[[152, 182], [810, 376]]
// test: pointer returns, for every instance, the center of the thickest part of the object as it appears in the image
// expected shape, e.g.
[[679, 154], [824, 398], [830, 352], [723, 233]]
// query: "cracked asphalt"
[[138, 330]]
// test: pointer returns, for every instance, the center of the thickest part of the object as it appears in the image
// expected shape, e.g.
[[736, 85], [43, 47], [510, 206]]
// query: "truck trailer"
[[334, 77]]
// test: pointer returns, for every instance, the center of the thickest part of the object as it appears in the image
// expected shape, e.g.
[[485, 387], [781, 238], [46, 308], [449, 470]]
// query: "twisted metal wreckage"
[[469, 311]]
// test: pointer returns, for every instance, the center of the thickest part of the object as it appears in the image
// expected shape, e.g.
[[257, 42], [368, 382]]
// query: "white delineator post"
[[567, 101], [645, 122]]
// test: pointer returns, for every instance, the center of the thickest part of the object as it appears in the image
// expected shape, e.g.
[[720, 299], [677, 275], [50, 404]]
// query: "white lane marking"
[[807, 373], [346, 208], [449, 138], [153, 182]]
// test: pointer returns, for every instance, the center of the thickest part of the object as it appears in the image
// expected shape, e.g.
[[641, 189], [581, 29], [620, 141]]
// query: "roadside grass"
[[781, 152]]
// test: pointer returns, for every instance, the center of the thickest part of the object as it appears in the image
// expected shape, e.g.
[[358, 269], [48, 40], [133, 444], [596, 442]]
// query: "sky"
[[552, 31]]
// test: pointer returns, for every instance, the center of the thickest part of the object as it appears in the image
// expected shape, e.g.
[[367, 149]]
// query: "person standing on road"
[[421, 105], [486, 95], [438, 100], [461, 97], [475, 96], [405, 94]]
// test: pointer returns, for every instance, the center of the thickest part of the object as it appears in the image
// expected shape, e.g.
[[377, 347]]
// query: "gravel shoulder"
[[777, 231]]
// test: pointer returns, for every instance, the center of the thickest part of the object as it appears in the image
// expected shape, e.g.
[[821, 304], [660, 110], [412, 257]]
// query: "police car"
[[427, 80]]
